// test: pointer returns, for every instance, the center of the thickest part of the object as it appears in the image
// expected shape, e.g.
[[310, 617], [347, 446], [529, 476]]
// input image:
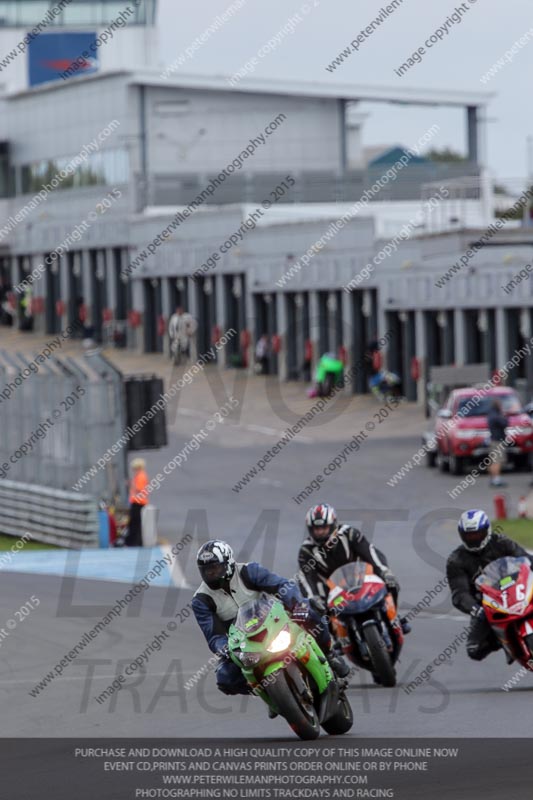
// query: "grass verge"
[[7, 542], [521, 530]]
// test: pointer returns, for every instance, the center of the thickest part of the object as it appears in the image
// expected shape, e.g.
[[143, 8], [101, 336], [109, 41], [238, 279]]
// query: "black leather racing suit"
[[462, 568], [318, 561]]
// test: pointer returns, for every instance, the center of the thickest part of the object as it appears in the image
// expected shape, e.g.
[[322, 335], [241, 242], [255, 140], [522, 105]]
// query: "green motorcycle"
[[284, 665]]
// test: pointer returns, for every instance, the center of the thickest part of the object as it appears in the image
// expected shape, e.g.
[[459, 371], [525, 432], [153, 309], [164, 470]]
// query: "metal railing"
[[310, 187]]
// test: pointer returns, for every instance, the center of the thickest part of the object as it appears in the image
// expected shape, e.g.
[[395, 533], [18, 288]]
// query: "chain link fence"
[[59, 416]]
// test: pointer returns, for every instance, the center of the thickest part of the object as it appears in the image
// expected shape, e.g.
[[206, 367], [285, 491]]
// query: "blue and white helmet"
[[474, 530]]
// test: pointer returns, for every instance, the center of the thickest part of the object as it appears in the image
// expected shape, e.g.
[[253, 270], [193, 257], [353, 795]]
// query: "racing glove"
[[477, 612], [223, 652], [300, 612], [318, 605], [391, 582]]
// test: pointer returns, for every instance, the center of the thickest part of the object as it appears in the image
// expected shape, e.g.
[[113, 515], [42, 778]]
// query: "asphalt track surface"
[[414, 523]]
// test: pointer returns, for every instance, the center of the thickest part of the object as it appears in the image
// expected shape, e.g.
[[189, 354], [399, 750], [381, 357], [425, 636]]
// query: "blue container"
[[103, 529]]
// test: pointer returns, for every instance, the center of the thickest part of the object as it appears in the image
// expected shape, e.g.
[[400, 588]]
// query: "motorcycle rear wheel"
[[379, 656], [300, 715]]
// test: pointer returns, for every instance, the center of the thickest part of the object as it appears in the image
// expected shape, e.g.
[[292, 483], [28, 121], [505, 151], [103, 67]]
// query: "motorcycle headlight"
[[281, 642], [249, 659]]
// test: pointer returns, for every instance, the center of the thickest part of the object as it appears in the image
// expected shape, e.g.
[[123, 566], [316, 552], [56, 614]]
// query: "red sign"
[[37, 305], [161, 325], [216, 334], [245, 339], [134, 318]]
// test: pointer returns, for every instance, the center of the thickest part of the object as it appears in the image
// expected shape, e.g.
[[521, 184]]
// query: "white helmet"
[[322, 517]]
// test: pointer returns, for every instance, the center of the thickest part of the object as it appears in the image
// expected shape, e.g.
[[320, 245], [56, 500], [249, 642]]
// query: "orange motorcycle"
[[364, 620]]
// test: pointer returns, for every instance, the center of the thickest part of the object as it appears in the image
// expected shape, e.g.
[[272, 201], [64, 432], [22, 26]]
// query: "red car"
[[462, 432]]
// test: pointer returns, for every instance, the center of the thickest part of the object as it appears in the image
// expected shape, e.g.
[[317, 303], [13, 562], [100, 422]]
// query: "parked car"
[[462, 433]]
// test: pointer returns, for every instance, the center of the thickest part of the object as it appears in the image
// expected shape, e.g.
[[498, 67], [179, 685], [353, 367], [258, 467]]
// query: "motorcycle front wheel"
[[342, 720], [299, 713], [382, 665]]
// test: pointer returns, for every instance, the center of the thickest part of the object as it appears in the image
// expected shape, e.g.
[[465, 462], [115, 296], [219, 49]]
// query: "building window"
[[6, 171], [107, 167], [28, 13]]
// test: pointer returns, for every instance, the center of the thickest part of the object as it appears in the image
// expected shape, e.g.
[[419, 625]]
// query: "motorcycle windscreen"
[[351, 576], [361, 587], [253, 614], [502, 572]]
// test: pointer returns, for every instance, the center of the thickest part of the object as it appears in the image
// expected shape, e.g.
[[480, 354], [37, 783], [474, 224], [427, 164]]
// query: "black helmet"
[[216, 563], [321, 516], [474, 530]]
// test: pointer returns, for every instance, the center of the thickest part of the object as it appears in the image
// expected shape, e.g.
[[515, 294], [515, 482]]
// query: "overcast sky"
[[488, 29]]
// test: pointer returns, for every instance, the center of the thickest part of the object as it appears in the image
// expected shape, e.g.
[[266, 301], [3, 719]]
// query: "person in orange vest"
[[138, 499]]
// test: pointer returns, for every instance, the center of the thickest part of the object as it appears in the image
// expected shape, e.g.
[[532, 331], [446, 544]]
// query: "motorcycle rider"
[[480, 545], [228, 585], [330, 546]]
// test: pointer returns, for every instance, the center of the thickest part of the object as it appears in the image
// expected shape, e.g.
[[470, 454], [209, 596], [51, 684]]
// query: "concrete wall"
[[58, 120], [203, 131]]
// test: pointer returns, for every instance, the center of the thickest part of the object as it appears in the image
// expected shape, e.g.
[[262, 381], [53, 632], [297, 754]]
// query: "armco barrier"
[[67, 519]]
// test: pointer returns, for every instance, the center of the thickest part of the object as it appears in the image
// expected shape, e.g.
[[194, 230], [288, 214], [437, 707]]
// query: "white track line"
[[178, 578], [261, 429], [192, 412]]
